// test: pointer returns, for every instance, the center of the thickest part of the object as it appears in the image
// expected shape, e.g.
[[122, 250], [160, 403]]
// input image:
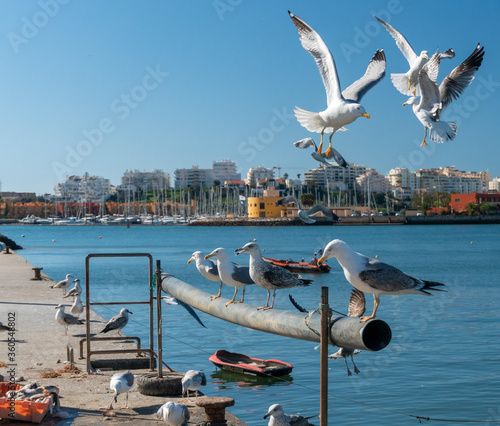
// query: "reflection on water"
[[223, 378]]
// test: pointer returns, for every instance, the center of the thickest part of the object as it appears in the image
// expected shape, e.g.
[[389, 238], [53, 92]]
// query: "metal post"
[[323, 412], [158, 318]]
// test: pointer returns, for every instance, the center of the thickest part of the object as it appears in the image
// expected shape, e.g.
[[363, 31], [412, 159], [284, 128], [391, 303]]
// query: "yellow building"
[[265, 206]]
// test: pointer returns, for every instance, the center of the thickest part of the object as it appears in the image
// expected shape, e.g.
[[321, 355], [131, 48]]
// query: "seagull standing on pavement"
[[66, 319], [193, 380], [173, 414], [64, 284]]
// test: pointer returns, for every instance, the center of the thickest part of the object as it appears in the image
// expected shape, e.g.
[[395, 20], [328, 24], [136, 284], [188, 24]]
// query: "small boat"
[[231, 361], [291, 265]]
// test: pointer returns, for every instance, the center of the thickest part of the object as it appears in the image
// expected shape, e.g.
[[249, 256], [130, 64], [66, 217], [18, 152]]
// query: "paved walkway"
[[41, 347]]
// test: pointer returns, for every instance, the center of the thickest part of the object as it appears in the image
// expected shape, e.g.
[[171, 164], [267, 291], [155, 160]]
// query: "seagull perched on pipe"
[[117, 322], [65, 319], [343, 107], [231, 274], [372, 276], [277, 417], [308, 142], [208, 269], [77, 289], [64, 284], [434, 99], [269, 276], [173, 414], [305, 215]]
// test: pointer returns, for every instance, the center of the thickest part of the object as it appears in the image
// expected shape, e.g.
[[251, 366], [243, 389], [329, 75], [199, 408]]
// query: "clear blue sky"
[[171, 84]]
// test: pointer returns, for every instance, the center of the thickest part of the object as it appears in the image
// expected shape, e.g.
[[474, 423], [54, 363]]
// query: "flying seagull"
[[117, 322], [308, 142], [277, 417], [193, 380], [305, 215], [269, 276], [170, 300], [342, 107], [64, 284], [231, 274], [372, 276], [434, 99], [65, 319], [404, 81], [173, 414], [207, 268]]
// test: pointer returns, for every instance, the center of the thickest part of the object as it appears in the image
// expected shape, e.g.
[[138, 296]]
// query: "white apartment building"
[[83, 188], [336, 176], [373, 182], [494, 184], [134, 180], [185, 178], [258, 173], [225, 170]]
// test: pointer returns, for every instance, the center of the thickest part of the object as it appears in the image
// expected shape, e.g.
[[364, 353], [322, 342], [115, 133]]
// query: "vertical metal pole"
[[324, 358], [158, 318], [151, 316], [87, 311]]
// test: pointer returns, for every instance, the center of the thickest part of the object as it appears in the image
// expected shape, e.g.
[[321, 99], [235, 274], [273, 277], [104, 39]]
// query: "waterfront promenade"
[[40, 347]]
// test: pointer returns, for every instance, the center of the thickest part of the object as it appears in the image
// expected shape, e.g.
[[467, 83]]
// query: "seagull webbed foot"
[[215, 296], [356, 370], [364, 319], [423, 143]]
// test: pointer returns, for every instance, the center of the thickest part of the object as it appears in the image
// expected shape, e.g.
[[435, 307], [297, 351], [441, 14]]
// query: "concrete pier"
[[40, 348]]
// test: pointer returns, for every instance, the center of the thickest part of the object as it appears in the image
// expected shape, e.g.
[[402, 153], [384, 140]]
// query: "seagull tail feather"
[[310, 120], [400, 82], [443, 131], [429, 285]]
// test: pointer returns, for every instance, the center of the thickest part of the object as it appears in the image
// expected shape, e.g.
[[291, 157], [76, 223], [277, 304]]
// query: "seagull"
[[170, 300], [343, 107], [192, 381], [231, 274], [375, 277], [77, 289], [65, 319], [117, 322], [77, 307], [207, 268], [357, 305], [304, 215], [269, 276], [173, 414], [308, 142], [64, 284], [434, 99], [120, 383], [4, 328], [279, 418]]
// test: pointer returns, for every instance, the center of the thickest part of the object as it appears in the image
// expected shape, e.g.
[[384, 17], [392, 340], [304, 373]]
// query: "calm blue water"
[[443, 361]]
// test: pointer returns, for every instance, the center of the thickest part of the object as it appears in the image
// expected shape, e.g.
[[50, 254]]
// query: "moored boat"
[[294, 266], [248, 365]]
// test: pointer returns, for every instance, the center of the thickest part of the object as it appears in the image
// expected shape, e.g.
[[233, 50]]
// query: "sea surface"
[[444, 358]]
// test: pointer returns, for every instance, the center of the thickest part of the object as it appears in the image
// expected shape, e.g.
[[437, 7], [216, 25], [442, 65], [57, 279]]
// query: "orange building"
[[459, 201]]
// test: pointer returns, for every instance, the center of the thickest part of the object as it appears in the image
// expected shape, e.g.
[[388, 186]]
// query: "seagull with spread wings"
[[308, 142], [342, 107], [434, 99], [305, 215]]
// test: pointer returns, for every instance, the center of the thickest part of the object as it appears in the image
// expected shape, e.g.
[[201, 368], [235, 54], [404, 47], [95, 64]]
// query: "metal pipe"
[[323, 405], [347, 332], [159, 326]]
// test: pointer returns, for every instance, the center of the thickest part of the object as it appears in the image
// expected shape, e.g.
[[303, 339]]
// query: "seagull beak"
[[322, 259], [426, 56], [406, 103], [239, 250], [191, 260], [208, 256], [266, 416], [366, 115]]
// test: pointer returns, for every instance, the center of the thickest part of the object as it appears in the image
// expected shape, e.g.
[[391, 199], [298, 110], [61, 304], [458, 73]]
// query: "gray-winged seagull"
[[65, 319], [173, 414], [117, 322], [305, 215]]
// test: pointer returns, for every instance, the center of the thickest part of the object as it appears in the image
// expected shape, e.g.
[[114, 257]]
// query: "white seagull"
[[305, 215], [269, 276], [372, 276], [308, 142], [342, 107], [77, 289], [231, 274], [357, 304], [173, 414], [120, 383], [434, 99], [277, 417], [193, 380], [170, 300], [64, 284], [207, 268], [117, 322], [65, 319], [77, 307]]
